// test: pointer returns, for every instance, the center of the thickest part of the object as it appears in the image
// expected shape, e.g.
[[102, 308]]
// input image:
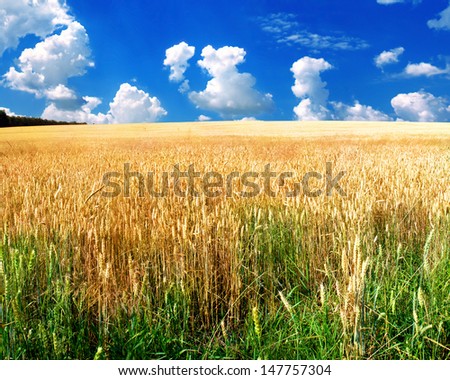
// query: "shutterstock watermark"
[[188, 182]]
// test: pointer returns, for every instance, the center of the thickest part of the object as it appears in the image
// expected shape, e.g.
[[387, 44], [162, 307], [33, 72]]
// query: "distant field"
[[272, 240], [238, 128]]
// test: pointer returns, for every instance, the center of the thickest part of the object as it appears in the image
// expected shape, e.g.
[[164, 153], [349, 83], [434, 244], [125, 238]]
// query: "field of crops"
[[198, 245]]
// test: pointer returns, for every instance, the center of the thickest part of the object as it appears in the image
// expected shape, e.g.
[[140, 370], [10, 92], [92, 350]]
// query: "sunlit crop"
[[360, 275]]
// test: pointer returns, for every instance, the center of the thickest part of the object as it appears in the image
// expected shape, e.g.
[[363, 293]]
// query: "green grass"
[[404, 308]]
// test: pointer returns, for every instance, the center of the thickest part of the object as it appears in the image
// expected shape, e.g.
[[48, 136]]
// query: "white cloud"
[[358, 112], [443, 22], [204, 118], [51, 62], [318, 42], [63, 97], [229, 93], [424, 69], [184, 87], [421, 106], [60, 92], [7, 111], [306, 110], [388, 57], [287, 31], [82, 115], [310, 88], [278, 23], [223, 60], [307, 78], [130, 105], [314, 105], [388, 2], [45, 69], [19, 18], [177, 58]]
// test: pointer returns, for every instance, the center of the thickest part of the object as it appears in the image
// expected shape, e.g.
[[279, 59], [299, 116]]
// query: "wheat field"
[[359, 275]]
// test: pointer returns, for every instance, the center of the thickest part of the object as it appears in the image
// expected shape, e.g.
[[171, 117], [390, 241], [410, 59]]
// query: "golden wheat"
[[130, 250]]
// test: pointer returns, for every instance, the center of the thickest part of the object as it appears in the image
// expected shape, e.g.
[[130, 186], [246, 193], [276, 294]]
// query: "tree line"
[[19, 121]]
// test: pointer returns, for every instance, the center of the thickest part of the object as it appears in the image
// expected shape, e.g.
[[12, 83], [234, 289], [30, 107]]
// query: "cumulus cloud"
[[177, 58], [130, 105], [44, 70], [204, 118], [442, 22], [421, 106], [229, 93], [287, 31], [307, 110], [52, 61], [308, 82], [7, 111], [358, 112], [312, 91], [56, 111], [310, 88], [388, 57], [60, 92], [63, 97], [424, 69], [19, 18]]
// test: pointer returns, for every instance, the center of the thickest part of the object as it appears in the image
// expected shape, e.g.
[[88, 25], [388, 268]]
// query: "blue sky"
[[141, 61]]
